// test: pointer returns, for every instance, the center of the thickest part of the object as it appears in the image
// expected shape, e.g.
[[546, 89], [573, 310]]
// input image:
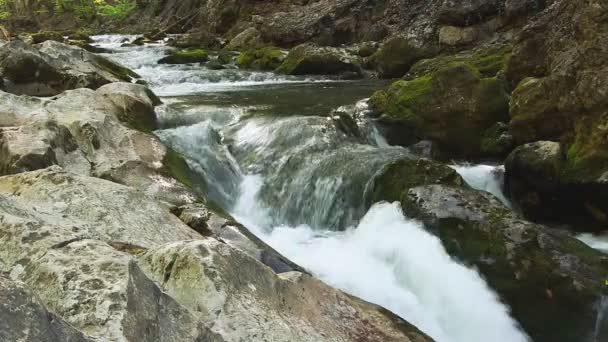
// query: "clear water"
[[272, 156]]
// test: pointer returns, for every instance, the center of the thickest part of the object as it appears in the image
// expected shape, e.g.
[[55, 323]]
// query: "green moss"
[[174, 165], [268, 58], [186, 57], [487, 61], [496, 141], [408, 98], [397, 178], [396, 56]]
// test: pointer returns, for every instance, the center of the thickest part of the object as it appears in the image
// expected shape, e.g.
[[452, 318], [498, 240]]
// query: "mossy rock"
[[267, 59], [488, 60], [551, 281], [396, 56], [186, 57], [308, 59], [453, 106], [534, 112], [552, 182], [43, 36], [497, 141], [395, 179]]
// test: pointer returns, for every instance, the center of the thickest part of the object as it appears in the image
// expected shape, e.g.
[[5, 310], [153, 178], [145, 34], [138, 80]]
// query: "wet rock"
[[186, 57], [552, 282], [215, 281], [52, 67], [219, 224], [497, 141], [538, 179], [267, 59], [395, 179], [24, 318], [453, 106], [310, 59], [396, 56]]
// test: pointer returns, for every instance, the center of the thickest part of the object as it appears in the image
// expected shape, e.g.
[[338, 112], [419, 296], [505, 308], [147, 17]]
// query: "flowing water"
[[276, 152]]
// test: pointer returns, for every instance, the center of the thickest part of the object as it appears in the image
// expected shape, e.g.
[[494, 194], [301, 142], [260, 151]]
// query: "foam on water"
[[489, 178], [392, 261]]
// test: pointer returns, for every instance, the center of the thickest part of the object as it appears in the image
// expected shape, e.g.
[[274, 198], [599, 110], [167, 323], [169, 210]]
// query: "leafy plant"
[[120, 9]]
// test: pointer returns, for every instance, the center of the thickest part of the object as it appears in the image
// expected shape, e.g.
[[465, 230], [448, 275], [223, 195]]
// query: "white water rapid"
[[386, 258]]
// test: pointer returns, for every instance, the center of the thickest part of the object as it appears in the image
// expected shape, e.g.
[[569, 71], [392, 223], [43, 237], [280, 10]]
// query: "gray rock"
[[24, 318], [84, 131], [223, 286], [544, 275], [250, 38], [52, 67]]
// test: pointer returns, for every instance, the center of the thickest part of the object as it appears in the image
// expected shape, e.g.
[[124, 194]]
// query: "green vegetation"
[[268, 58], [85, 10]]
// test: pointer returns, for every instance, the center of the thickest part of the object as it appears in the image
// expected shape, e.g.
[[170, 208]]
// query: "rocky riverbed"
[[306, 171]]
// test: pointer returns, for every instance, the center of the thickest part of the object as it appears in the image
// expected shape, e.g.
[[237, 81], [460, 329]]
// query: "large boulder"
[[539, 180], [223, 286], [396, 56], [560, 95], [74, 250], [553, 283], [51, 68], [311, 59], [119, 266], [453, 106], [89, 132]]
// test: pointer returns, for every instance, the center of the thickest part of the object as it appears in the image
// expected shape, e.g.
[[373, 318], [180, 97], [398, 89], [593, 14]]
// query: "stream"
[[269, 153]]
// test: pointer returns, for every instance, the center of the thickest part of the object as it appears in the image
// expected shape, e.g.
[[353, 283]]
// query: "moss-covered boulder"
[[43, 36], [311, 59], [395, 179], [453, 106], [186, 57], [396, 56], [268, 59], [552, 282], [549, 183]]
